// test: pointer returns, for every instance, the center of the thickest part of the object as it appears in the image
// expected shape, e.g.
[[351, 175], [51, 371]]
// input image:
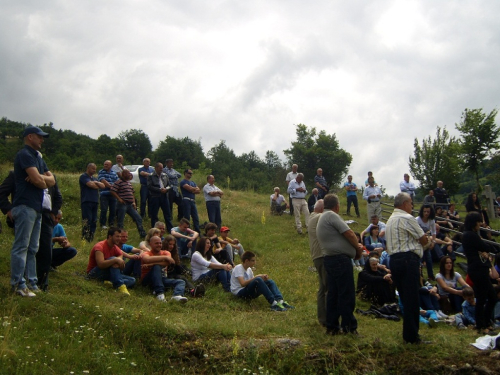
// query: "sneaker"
[[198, 291], [108, 283], [34, 288], [461, 326], [25, 293], [104, 227], [441, 314], [142, 234], [179, 299], [277, 307], [432, 323], [161, 297], [123, 289], [286, 305]]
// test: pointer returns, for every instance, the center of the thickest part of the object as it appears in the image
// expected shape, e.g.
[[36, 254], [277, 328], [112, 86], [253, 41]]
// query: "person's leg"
[[44, 253], [154, 205], [121, 209], [171, 199], [355, 202], [154, 280], [428, 264], [346, 294], [218, 216], [322, 291], [144, 198], [129, 281], [86, 218], [196, 220], [296, 213], [255, 288], [178, 285], [186, 209], [180, 208], [485, 296], [93, 219], [332, 316], [305, 210], [349, 202], [290, 202], [271, 285], [167, 214], [112, 210], [225, 279], [137, 218], [456, 302], [378, 210], [370, 211], [104, 199], [60, 255], [211, 211]]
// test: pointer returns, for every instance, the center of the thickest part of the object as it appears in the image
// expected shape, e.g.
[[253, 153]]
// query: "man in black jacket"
[[159, 185]]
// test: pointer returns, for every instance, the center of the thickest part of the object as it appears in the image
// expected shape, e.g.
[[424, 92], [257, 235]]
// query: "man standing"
[[107, 177], [158, 186], [441, 196], [430, 199], [405, 239], [174, 195], [352, 195], [297, 190], [317, 258], [189, 189], [123, 191], [89, 196], [320, 183], [372, 195], [313, 198], [407, 187], [370, 174], [118, 167], [289, 177], [32, 177], [340, 246], [144, 172], [212, 199]]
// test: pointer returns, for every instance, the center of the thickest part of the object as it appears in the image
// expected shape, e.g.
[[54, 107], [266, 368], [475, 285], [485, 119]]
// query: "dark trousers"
[[158, 282], [61, 255], [291, 205], [258, 286], [133, 268], [405, 268], [144, 200], [89, 218], [122, 209], [176, 198], [352, 199], [155, 203], [44, 253], [213, 210], [223, 276], [486, 297], [341, 298], [189, 210], [428, 263], [107, 202]]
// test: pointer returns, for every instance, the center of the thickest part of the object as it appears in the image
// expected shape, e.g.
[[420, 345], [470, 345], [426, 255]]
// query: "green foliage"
[[180, 150], [436, 160], [135, 145], [479, 139], [314, 150]]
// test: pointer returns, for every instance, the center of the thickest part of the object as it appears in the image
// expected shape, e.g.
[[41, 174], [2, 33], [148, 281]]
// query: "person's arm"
[[130, 256], [114, 194], [244, 282], [7, 188], [220, 266], [37, 179], [152, 186], [163, 260], [446, 288], [353, 240], [106, 263], [423, 240], [365, 195]]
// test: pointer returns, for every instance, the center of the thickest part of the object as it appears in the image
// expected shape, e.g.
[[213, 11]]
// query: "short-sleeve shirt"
[[125, 190], [189, 232], [351, 186], [329, 232], [145, 267], [238, 271], [199, 265], [88, 194], [109, 176], [279, 201], [185, 193], [209, 189], [58, 231], [107, 251], [452, 283], [26, 193], [402, 233], [430, 226], [144, 180]]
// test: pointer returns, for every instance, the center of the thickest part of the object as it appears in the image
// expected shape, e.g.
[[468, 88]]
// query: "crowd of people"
[[388, 257]]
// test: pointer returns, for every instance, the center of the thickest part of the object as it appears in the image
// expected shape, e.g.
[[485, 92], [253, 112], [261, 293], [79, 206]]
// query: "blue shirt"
[[127, 248], [469, 312], [58, 231], [109, 176], [88, 194], [350, 192], [185, 193], [26, 193], [142, 179]]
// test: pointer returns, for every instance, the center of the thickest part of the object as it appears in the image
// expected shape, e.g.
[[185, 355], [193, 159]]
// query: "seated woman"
[[144, 245], [223, 255], [452, 214], [206, 268], [373, 242], [441, 219], [429, 297], [426, 221], [450, 295], [375, 285]]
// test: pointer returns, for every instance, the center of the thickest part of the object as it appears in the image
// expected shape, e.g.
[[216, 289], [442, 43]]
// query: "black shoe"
[[333, 332], [198, 291]]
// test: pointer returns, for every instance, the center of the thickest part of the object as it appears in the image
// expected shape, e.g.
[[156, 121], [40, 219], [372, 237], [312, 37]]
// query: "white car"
[[134, 170]]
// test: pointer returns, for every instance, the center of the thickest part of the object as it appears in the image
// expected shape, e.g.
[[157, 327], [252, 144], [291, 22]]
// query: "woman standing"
[[479, 264]]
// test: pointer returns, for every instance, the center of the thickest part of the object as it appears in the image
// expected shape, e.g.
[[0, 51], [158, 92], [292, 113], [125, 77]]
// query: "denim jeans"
[[144, 200], [428, 263], [223, 276], [184, 251], [89, 218], [60, 255], [213, 210], [156, 281], [155, 203], [112, 274], [107, 202], [133, 268], [22, 256], [189, 209], [122, 209], [258, 286], [341, 297]]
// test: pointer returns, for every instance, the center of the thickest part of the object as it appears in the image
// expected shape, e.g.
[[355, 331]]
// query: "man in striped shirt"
[[123, 191]]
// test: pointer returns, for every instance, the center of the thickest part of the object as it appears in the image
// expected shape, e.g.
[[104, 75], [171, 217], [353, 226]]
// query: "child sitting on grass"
[[468, 314], [245, 285]]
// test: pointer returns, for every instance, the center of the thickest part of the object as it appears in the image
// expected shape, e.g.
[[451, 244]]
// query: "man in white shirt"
[[289, 177], [212, 196], [407, 187], [297, 190], [372, 195], [278, 203]]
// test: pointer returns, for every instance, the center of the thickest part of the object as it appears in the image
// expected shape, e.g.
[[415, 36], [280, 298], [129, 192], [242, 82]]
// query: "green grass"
[[81, 326]]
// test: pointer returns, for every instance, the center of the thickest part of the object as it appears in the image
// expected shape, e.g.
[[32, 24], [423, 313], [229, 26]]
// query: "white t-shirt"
[[199, 265], [451, 283], [237, 272]]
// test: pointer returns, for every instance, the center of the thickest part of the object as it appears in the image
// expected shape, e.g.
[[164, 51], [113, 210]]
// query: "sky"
[[378, 74]]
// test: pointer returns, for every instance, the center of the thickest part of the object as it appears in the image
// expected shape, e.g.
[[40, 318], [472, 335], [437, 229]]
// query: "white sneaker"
[[25, 293], [161, 297], [180, 299], [441, 314], [104, 227]]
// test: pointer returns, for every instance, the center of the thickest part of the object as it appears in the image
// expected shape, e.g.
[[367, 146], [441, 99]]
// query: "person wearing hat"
[[235, 247], [32, 178]]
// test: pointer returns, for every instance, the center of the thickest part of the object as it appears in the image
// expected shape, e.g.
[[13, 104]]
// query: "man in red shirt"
[[106, 262], [154, 275]]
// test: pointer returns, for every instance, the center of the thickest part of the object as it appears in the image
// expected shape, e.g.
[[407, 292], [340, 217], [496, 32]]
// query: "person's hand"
[[9, 215], [228, 267]]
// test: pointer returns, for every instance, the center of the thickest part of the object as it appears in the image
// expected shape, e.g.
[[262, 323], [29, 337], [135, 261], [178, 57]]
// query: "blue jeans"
[[89, 218], [22, 256], [428, 263], [341, 297], [258, 286], [122, 209], [184, 251], [189, 209], [107, 201], [222, 275], [155, 203], [112, 274], [213, 210], [60, 255], [133, 267], [405, 268], [156, 281], [144, 200]]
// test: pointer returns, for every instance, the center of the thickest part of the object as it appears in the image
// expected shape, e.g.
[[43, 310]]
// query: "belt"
[[297, 198], [405, 254], [189, 199]]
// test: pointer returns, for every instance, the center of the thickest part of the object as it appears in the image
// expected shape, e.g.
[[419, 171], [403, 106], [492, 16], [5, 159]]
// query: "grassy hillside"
[[81, 326]]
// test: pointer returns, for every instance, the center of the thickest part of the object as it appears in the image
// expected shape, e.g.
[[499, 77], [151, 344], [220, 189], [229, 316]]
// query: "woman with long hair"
[[426, 221], [474, 205], [450, 284]]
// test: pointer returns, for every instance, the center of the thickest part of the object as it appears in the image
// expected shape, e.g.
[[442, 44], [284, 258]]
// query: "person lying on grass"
[[245, 285]]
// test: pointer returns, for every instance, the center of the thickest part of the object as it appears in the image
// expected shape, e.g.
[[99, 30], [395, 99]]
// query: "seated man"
[[278, 203], [133, 254], [106, 262], [186, 238], [66, 251], [154, 264], [235, 247], [374, 221], [311, 201]]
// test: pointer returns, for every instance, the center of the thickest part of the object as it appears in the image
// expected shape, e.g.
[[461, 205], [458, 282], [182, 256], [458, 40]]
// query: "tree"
[[318, 150], [134, 145], [479, 139], [223, 161], [180, 150], [435, 160]]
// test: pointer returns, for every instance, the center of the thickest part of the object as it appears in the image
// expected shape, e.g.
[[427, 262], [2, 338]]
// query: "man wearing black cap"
[[32, 177]]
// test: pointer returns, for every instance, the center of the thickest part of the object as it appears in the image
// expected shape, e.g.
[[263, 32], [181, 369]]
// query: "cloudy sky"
[[375, 73]]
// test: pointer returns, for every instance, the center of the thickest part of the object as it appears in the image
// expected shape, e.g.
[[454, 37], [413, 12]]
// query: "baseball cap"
[[224, 229], [34, 130]]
